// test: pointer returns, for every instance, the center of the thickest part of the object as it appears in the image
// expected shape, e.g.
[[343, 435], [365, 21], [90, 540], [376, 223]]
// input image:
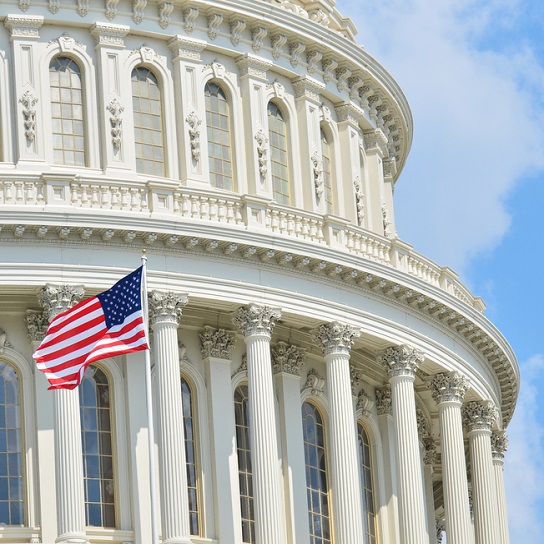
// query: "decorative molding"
[[375, 139], [250, 65], [24, 5], [401, 360], [57, 298], [315, 383], [165, 12], [262, 152], [107, 34], [320, 17], [429, 453], [349, 112], [29, 101], [317, 170], [329, 65], [214, 21], [440, 528], [182, 355], [479, 415], [66, 43], [308, 88], [386, 222], [384, 401], [82, 7], [111, 9], [356, 377], [138, 7], [190, 16], [278, 89], [295, 50], [423, 425], [237, 27], [194, 123], [359, 200], [258, 34], [186, 48], [4, 340], [335, 337], [313, 59], [216, 342], [256, 320], [448, 387], [364, 403], [54, 6], [166, 307], [342, 76], [389, 167], [278, 41], [36, 324], [287, 358], [23, 26], [116, 122], [499, 444], [242, 368]]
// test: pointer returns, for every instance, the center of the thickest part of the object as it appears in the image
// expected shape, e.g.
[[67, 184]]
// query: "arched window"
[[327, 172], [316, 474], [190, 455], [369, 502], [67, 112], [96, 436], [245, 476], [277, 133], [148, 133], [219, 144], [11, 457]]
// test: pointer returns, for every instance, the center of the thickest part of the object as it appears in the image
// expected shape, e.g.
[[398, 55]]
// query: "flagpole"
[[149, 399]]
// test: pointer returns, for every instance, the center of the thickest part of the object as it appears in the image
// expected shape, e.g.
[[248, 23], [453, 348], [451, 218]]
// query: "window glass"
[[245, 476], [148, 134], [369, 504], [219, 144], [277, 136], [96, 438], [316, 475], [67, 112], [327, 172]]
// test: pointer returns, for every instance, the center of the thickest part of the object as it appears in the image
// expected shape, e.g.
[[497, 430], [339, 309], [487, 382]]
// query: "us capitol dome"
[[315, 379]]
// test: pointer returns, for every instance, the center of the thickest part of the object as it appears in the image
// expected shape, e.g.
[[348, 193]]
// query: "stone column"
[[256, 323], [499, 444], [164, 314], [478, 417], [448, 391], [68, 450], [401, 364], [429, 459], [216, 346], [336, 340]]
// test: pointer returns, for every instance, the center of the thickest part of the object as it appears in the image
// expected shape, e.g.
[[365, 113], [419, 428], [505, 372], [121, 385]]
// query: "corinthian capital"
[[58, 298], [499, 444], [479, 415], [384, 402], [335, 337], [287, 358], [36, 324], [216, 342], [166, 307], [256, 320], [449, 387], [401, 360]]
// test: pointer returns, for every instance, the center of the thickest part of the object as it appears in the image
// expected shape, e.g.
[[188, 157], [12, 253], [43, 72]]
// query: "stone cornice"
[[23, 26], [109, 35], [256, 67], [186, 48]]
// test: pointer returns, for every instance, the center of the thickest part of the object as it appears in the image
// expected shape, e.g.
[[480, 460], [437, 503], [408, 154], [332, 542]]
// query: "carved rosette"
[[429, 453], [423, 425], [256, 320], [384, 401], [479, 415], [401, 360], [216, 342], [194, 123], [166, 307], [499, 444], [315, 383], [335, 337], [36, 324], [57, 298], [364, 403], [449, 387], [287, 358]]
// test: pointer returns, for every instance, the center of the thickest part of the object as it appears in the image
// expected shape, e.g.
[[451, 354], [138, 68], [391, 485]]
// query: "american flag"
[[108, 324]]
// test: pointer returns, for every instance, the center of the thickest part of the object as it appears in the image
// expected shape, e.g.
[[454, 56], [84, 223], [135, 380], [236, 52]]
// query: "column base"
[[177, 540], [72, 538]]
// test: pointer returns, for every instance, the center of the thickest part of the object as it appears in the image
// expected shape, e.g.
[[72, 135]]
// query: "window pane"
[[327, 172], [277, 135], [369, 506]]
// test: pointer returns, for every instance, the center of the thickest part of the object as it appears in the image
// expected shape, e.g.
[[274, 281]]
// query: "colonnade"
[[279, 497]]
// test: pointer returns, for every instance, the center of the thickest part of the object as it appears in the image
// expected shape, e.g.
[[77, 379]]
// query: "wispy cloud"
[[478, 117]]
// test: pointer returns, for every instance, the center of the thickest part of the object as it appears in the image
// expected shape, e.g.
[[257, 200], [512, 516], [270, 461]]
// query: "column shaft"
[[498, 467], [429, 499]]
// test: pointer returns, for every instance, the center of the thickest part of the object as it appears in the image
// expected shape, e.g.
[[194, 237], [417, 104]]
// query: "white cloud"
[[477, 117], [524, 465]]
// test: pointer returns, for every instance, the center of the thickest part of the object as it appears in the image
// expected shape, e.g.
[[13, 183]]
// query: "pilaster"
[[499, 444], [336, 339], [375, 144]]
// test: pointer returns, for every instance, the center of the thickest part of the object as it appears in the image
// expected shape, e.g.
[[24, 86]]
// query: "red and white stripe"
[[79, 336]]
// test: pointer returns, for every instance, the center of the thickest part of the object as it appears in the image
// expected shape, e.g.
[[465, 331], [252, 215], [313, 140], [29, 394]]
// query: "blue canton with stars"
[[123, 299]]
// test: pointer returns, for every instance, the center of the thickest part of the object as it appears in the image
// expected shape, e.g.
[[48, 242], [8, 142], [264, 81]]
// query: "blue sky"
[[472, 192]]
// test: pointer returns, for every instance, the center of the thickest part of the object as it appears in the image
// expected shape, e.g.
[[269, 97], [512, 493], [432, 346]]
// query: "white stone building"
[[315, 380]]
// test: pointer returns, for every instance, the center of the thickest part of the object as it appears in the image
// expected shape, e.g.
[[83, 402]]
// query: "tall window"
[[96, 437], [219, 144], [245, 476], [11, 457], [369, 503], [148, 137], [278, 154], [316, 475], [327, 172], [67, 112], [190, 455]]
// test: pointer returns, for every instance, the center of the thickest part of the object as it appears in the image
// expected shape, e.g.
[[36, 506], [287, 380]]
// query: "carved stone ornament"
[[359, 200], [116, 122], [319, 16], [138, 7], [314, 382], [165, 11], [253, 66], [166, 307], [190, 16], [295, 50], [278, 41], [4, 340], [335, 337], [237, 26], [29, 101], [293, 7], [111, 9], [53, 6], [356, 377], [214, 21], [448, 387], [109, 35], [36, 324], [364, 403], [287, 358], [186, 48], [429, 453], [313, 58], [82, 7], [24, 5], [182, 355], [385, 220], [479, 415], [423, 425], [440, 528], [317, 169], [216, 342], [194, 123], [57, 298], [499, 444], [262, 152], [384, 401], [242, 369], [24, 26], [401, 360], [258, 34], [255, 319]]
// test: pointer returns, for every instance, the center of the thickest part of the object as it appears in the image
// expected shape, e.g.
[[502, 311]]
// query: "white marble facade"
[[315, 380]]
